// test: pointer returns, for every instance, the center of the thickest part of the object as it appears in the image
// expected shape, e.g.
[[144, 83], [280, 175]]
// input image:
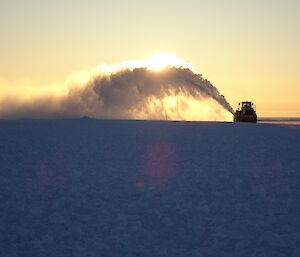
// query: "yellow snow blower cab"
[[245, 113]]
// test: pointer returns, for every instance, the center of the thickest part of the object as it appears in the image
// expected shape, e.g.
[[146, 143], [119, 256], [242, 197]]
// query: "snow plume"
[[135, 90]]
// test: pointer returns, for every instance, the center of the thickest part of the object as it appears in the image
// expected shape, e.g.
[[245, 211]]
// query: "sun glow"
[[182, 107], [187, 107], [171, 101], [157, 62]]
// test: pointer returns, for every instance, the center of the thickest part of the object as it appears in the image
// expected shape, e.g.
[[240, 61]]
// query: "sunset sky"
[[247, 49]]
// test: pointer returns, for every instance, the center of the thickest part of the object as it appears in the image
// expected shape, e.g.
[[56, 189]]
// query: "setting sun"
[[160, 61], [156, 62]]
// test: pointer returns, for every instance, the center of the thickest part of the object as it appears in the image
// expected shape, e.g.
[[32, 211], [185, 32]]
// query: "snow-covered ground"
[[148, 189]]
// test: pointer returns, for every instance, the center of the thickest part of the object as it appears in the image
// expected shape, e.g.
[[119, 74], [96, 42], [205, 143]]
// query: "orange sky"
[[248, 49]]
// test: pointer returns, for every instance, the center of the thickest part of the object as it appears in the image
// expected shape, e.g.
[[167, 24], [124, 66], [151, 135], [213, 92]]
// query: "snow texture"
[[148, 189]]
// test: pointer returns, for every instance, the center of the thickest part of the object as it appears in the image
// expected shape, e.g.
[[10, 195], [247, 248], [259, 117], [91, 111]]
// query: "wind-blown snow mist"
[[173, 92]]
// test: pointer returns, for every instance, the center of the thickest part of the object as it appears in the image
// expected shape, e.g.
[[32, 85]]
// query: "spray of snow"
[[164, 87]]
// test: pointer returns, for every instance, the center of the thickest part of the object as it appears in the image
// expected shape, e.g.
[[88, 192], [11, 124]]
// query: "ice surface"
[[140, 188]]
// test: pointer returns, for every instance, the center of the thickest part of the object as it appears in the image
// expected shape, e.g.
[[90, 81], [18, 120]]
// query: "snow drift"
[[173, 92]]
